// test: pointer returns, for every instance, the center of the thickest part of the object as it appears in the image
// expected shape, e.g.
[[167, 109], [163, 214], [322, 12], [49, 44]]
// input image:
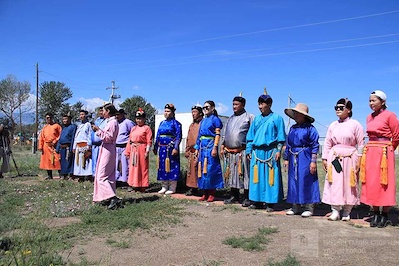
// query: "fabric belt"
[[122, 145], [234, 150], [81, 144], [207, 137], [96, 143], [66, 145], [379, 139], [166, 136]]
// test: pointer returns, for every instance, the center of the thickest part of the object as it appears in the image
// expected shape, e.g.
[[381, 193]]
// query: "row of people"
[[251, 149]]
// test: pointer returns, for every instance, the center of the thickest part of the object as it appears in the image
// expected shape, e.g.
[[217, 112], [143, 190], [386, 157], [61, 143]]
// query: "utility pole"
[[113, 95], [34, 147]]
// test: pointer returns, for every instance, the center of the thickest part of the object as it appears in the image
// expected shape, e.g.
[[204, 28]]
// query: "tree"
[[132, 104], [14, 95], [53, 97], [72, 110]]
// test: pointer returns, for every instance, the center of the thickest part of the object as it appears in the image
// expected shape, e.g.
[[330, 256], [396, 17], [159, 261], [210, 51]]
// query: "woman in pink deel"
[[377, 170], [104, 179], [342, 151], [137, 150]]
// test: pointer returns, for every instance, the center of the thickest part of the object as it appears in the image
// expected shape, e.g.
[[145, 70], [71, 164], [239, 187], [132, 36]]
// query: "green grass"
[[288, 261], [253, 243]]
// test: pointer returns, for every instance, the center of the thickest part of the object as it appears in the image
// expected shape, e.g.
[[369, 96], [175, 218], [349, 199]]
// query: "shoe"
[[384, 222], [162, 191], [334, 216], [169, 192], [375, 220], [306, 214], [256, 206], [269, 209], [295, 210], [230, 200], [203, 198], [115, 203], [346, 218], [189, 192], [211, 198], [246, 203], [130, 189], [48, 178]]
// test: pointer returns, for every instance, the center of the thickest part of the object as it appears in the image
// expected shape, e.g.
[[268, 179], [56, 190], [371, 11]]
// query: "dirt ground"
[[198, 240]]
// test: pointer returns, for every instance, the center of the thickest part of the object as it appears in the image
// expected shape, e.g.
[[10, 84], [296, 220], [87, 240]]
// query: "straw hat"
[[300, 108]]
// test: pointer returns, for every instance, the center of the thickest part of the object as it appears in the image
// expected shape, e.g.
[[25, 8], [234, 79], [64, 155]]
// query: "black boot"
[[375, 220], [269, 207], [49, 175], [234, 196], [114, 203], [246, 202], [384, 221]]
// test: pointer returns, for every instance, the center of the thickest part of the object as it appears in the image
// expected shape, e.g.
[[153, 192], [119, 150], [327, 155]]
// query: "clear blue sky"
[[191, 51]]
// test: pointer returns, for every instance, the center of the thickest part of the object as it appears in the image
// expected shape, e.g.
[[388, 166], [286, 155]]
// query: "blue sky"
[[186, 52]]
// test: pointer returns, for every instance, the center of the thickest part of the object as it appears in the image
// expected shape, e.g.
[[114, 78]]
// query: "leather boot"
[[234, 196], [211, 197], [204, 196], [384, 221], [375, 220]]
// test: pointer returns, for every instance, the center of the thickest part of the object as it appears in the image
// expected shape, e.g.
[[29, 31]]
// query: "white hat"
[[380, 94]]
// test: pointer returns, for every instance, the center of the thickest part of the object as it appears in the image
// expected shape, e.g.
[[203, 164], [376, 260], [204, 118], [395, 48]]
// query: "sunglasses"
[[48, 117], [340, 108], [207, 107]]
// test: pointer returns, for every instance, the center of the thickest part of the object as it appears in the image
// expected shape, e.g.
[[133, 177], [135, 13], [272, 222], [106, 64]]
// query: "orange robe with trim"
[[49, 136], [140, 137]]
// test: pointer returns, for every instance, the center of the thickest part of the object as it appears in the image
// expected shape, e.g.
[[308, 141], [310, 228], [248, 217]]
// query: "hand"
[[313, 168], [325, 165], [73, 151], [95, 128], [249, 156], [175, 152], [286, 163], [277, 156], [186, 154], [222, 150], [214, 152], [196, 153]]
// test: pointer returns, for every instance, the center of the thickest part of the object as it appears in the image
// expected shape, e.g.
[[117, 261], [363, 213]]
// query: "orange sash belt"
[[384, 163]]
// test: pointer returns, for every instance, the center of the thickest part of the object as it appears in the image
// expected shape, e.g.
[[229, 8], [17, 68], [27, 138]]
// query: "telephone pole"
[[34, 148], [113, 95]]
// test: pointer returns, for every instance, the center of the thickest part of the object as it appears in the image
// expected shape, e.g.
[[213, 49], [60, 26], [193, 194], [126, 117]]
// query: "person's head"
[[169, 111], [343, 108], [109, 110], [49, 118], [196, 112], [300, 113], [377, 100], [120, 115], [265, 102], [238, 104], [66, 119], [83, 115], [209, 108], [100, 111], [140, 117]]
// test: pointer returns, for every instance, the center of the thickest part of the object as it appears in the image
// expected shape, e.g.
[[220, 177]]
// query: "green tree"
[[53, 97], [72, 110], [14, 96], [132, 104]]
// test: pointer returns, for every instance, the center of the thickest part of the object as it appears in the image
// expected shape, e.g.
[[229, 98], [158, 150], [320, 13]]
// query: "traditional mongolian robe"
[[104, 179], [64, 148], [122, 163], [210, 170], [82, 146], [49, 136], [236, 164], [168, 138], [140, 140], [96, 142], [264, 134], [192, 170], [343, 142], [377, 171], [5, 151], [302, 142]]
